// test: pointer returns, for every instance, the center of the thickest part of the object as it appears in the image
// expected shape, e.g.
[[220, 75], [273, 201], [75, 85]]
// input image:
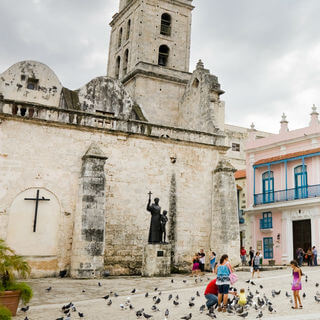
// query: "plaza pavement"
[[87, 296]]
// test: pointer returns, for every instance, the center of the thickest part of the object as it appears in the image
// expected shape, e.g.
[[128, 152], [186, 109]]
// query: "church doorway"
[[301, 235]]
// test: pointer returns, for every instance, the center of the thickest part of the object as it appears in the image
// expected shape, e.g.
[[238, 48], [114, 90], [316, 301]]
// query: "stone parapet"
[[156, 260], [82, 119]]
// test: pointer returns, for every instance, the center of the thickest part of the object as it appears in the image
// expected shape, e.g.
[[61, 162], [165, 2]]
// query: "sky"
[[266, 53]]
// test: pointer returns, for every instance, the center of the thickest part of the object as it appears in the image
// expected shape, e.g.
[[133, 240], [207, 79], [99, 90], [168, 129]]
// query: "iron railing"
[[288, 194]]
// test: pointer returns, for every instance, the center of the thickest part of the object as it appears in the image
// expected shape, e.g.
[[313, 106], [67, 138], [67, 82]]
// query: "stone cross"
[[36, 199]]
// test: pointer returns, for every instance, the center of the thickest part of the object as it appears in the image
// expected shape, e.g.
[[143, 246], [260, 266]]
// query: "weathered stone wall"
[[200, 107], [50, 156], [15, 83]]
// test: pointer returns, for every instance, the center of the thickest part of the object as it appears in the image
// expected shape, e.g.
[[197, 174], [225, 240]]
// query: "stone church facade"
[[77, 165]]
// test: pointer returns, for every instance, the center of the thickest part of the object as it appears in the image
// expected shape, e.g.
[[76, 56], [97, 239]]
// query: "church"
[[77, 165]]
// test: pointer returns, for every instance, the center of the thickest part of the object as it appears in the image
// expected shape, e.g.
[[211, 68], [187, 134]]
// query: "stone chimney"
[[200, 65], [284, 124], [314, 122]]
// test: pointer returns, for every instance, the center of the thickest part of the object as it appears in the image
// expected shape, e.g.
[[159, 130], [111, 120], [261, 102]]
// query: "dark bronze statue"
[[163, 221], [155, 224]]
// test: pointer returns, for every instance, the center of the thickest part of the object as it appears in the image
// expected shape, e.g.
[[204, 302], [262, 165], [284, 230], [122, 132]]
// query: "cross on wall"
[[36, 199]]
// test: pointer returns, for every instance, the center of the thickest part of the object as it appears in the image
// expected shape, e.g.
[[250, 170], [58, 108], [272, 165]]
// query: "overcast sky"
[[266, 53]]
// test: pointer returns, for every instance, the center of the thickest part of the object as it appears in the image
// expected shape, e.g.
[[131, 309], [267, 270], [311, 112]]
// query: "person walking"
[[315, 256], [251, 254], [309, 257], [195, 265], [243, 255], [300, 255], [256, 264], [212, 261], [296, 284], [202, 260], [223, 271]]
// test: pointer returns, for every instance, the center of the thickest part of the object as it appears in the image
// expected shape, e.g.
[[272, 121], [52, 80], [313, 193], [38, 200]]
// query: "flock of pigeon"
[[258, 303]]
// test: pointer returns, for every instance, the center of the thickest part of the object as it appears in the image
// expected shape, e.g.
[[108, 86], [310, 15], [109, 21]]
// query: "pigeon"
[[62, 273], [155, 289], [184, 281], [122, 306], [198, 294], [260, 315], [49, 289], [116, 295], [177, 297], [304, 295], [317, 284], [154, 308], [131, 307], [191, 304], [26, 318], [211, 315], [61, 318], [146, 295], [277, 292], [202, 308], [170, 297], [80, 314], [229, 311], [147, 316], [139, 313], [192, 298], [243, 315], [83, 290], [157, 301], [99, 284], [106, 297], [316, 298], [166, 313], [271, 309], [248, 281], [188, 317], [171, 280], [133, 291], [109, 302], [25, 309], [176, 303], [252, 283], [287, 295], [261, 286]]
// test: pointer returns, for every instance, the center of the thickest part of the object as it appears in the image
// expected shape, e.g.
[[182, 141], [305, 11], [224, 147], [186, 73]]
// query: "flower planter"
[[10, 299]]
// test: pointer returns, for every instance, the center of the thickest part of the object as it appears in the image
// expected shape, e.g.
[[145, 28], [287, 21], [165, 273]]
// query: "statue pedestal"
[[156, 260]]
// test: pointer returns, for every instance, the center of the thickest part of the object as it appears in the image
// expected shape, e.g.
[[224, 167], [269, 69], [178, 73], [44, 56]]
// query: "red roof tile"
[[287, 156], [240, 174]]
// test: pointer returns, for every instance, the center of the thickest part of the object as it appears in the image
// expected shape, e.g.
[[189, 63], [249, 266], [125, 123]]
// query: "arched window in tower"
[[120, 37], [117, 73], [165, 24], [163, 55], [125, 61], [128, 28]]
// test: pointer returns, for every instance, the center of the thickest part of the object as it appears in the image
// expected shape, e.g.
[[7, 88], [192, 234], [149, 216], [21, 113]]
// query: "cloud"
[[265, 53]]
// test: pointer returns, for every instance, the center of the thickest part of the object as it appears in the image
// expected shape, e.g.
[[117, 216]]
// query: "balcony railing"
[[287, 195], [265, 224]]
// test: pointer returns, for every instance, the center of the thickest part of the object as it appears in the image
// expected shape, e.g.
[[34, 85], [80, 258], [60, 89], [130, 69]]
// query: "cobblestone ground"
[[87, 297]]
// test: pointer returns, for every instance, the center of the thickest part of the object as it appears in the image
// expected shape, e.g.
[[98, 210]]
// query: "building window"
[[117, 73], [120, 37], [268, 248], [268, 187], [235, 147], [266, 221], [32, 84], [163, 55], [128, 29], [165, 24], [125, 61], [300, 182]]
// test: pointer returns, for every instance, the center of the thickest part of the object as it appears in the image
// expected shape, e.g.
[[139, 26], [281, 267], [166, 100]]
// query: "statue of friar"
[[155, 224]]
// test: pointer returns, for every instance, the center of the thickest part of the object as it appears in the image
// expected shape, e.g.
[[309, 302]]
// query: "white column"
[[284, 235]]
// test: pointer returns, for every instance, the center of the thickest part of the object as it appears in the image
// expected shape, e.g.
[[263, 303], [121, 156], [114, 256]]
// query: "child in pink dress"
[[296, 284]]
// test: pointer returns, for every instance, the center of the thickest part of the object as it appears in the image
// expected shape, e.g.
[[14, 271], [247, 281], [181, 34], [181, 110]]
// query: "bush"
[[5, 313], [26, 291]]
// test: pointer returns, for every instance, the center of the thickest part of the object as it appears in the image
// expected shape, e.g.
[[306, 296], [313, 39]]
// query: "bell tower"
[[149, 52]]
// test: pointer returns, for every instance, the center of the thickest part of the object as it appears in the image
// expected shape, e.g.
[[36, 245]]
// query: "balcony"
[[287, 195]]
